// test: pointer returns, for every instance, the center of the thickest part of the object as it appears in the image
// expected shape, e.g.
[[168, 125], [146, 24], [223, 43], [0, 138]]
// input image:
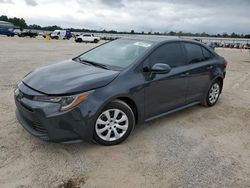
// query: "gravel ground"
[[197, 147]]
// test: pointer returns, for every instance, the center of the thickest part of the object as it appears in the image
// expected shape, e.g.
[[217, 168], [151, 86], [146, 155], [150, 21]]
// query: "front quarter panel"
[[122, 86]]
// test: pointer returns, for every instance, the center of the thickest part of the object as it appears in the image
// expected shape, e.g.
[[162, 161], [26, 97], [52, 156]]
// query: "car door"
[[88, 38], [164, 92], [63, 34], [200, 65]]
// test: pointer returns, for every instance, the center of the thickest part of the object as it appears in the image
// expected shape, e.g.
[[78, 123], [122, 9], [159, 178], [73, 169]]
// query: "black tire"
[[207, 101], [95, 41], [79, 40], [122, 106]]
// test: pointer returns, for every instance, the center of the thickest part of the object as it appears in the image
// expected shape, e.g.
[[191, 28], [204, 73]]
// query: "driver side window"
[[170, 53]]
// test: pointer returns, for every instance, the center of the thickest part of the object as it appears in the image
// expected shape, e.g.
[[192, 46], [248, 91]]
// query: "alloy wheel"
[[214, 93], [112, 125]]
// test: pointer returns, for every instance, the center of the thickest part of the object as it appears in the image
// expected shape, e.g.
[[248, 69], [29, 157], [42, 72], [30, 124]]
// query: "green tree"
[[247, 36], [34, 26], [4, 18], [20, 22]]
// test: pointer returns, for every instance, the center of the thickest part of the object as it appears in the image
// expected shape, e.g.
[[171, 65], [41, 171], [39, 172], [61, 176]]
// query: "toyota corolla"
[[103, 93]]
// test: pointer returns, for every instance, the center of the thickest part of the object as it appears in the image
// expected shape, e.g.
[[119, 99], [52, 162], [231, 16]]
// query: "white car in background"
[[61, 34], [17, 31], [87, 38]]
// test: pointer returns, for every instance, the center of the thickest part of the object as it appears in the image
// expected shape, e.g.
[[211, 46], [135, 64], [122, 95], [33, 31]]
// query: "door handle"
[[185, 74], [209, 67]]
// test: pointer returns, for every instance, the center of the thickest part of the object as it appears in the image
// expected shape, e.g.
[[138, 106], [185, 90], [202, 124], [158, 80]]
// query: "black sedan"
[[103, 93], [28, 34]]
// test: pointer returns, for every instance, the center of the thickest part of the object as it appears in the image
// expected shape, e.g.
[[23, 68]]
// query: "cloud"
[[140, 15], [113, 3], [6, 1], [31, 2]]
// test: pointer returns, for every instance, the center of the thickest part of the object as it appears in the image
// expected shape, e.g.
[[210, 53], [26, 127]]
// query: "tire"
[[112, 131], [95, 41], [79, 40], [213, 94]]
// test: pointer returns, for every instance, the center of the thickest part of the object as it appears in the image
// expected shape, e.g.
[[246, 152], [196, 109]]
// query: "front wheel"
[[213, 93], [114, 124]]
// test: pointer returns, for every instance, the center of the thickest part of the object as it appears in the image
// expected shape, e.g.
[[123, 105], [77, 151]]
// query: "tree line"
[[20, 22]]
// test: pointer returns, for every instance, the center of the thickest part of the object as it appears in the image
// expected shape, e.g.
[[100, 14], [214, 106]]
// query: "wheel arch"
[[220, 79], [126, 99], [130, 102]]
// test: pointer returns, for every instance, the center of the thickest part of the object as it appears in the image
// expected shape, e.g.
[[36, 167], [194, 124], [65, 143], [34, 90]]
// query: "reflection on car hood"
[[68, 77]]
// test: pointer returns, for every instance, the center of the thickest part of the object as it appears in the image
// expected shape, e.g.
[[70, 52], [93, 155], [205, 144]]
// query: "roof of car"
[[158, 39]]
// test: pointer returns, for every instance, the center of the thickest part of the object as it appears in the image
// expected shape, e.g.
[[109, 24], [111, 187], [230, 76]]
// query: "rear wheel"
[[114, 124], [79, 40], [213, 93]]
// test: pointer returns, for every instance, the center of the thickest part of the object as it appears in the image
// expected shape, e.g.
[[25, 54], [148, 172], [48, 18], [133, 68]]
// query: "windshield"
[[119, 53]]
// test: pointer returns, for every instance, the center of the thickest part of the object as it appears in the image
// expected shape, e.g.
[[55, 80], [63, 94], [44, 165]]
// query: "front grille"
[[26, 107]]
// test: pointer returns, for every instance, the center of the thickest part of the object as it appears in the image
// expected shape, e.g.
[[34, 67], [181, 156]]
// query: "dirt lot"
[[197, 147]]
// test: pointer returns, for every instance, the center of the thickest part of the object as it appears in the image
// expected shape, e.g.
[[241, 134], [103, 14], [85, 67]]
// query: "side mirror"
[[160, 68]]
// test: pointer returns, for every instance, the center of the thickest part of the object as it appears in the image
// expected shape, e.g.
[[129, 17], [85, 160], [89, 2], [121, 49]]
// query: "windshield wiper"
[[94, 63]]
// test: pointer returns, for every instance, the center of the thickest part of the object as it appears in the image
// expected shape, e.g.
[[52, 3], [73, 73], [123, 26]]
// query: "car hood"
[[68, 77]]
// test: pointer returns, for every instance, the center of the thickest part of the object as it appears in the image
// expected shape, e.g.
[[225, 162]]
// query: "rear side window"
[[170, 53], [194, 53], [207, 55]]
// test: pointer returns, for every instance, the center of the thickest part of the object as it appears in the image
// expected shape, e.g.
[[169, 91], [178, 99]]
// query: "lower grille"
[[37, 126]]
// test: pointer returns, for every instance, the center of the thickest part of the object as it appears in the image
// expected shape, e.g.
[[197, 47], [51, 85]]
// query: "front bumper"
[[45, 121]]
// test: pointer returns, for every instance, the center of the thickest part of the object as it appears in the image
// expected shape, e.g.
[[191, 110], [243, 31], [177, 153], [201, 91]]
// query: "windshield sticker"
[[142, 44]]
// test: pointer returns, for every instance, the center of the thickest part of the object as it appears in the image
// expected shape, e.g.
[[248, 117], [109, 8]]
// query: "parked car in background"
[[17, 31], [29, 33], [246, 46], [7, 29], [87, 38], [61, 34], [228, 45], [212, 45], [237, 45], [41, 33], [101, 94], [109, 38]]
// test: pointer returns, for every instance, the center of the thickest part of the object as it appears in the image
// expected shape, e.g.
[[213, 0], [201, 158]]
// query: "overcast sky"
[[141, 15]]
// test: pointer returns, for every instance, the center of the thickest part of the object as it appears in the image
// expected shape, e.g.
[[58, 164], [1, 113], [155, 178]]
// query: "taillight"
[[225, 64]]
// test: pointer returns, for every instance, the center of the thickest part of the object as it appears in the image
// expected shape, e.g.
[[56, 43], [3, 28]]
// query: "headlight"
[[47, 98], [67, 102]]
